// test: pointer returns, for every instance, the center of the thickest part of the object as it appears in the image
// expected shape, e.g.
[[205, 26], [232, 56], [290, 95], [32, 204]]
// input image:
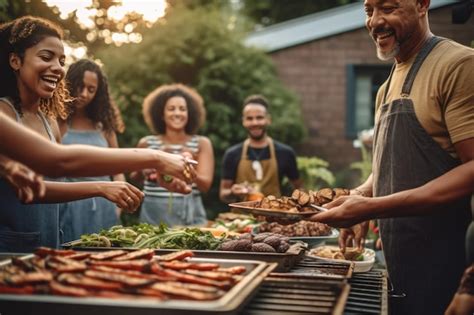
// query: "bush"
[[315, 173]]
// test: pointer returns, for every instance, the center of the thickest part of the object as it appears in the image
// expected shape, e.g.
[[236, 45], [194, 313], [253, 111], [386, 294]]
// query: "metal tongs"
[[319, 208]]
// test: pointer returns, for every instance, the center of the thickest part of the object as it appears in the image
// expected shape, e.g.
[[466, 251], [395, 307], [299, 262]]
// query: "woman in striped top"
[[174, 113]]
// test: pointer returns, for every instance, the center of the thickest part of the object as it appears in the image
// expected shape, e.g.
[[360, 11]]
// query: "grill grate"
[[320, 268], [280, 295], [368, 294], [319, 287]]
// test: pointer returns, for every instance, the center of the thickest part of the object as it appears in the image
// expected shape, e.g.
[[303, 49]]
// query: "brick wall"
[[316, 72]]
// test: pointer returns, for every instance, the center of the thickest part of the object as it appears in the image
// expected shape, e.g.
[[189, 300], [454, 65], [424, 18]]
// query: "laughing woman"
[[174, 113], [32, 92], [93, 120]]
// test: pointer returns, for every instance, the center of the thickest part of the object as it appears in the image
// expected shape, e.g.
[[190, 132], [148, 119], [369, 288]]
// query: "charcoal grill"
[[368, 294], [319, 287], [283, 295]]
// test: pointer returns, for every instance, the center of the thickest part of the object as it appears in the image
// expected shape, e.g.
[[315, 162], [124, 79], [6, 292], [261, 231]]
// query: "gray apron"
[[425, 254]]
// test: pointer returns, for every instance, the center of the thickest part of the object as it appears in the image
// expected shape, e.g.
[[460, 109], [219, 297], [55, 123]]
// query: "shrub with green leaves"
[[315, 172]]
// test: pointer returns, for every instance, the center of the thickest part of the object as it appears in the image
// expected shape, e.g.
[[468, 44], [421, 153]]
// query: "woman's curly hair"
[[101, 110], [16, 37], [154, 107]]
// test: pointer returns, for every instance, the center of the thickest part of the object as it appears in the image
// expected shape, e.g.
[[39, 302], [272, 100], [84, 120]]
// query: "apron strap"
[[424, 52], [271, 148], [388, 83], [245, 147]]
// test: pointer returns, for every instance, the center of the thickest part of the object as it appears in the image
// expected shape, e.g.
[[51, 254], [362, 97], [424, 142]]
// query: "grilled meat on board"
[[118, 274]]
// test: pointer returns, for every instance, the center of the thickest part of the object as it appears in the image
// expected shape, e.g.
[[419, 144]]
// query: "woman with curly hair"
[[33, 92], [94, 119], [174, 113]]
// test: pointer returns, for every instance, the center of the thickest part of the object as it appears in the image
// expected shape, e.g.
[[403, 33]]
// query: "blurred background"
[[313, 60]]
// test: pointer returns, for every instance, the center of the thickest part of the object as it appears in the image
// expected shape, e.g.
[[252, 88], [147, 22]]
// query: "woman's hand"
[[27, 184], [177, 165], [123, 194], [174, 184]]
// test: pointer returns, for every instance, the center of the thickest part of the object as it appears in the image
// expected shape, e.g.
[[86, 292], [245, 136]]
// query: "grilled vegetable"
[[262, 247]]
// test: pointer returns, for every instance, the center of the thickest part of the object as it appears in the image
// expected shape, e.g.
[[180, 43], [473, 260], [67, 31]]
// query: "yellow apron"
[[270, 183]]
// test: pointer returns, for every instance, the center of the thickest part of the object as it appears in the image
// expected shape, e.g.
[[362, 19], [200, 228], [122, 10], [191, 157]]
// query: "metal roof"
[[315, 26]]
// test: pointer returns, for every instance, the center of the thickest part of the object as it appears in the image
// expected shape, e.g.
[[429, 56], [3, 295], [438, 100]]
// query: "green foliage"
[[365, 165], [199, 48], [315, 173]]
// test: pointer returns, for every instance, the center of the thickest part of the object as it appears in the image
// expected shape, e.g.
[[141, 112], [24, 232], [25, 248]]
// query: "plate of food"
[[256, 208], [299, 206], [311, 233], [363, 259]]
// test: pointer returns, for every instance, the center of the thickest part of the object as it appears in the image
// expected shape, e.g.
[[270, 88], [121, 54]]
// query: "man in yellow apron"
[[258, 164]]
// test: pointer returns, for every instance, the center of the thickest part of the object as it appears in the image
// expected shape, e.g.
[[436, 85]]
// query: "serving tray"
[[284, 261], [230, 303]]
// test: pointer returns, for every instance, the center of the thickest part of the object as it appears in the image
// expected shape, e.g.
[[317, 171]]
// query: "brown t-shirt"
[[442, 93]]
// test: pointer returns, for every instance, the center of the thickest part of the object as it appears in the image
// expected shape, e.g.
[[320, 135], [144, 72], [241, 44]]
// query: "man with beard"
[[424, 127], [258, 164]]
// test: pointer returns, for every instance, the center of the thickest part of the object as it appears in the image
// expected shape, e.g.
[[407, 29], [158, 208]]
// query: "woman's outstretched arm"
[[55, 160]]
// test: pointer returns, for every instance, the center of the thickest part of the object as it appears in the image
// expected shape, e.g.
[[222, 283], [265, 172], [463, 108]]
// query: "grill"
[[320, 268], [368, 294], [320, 287], [285, 296]]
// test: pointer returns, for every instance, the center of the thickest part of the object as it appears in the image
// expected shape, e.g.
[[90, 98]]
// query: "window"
[[363, 82]]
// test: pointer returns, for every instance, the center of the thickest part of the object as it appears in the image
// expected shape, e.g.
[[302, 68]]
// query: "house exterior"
[[330, 62]]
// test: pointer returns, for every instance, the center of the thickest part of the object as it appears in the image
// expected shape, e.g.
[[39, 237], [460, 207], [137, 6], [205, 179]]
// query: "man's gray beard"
[[389, 55]]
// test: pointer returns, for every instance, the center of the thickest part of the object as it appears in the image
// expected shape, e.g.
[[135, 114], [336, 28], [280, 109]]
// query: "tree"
[[197, 48], [268, 12], [11, 9]]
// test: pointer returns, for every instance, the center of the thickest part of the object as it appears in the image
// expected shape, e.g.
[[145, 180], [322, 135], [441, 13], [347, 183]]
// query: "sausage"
[[60, 289], [169, 288], [143, 253], [123, 279], [32, 277], [175, 256], [88, 283], [108, 255], [139, 264]]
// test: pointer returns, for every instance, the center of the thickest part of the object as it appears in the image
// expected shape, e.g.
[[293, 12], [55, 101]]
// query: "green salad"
[[145, 235]]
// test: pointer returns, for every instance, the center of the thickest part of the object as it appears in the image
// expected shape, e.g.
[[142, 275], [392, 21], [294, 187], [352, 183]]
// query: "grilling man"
[[424, 127]]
